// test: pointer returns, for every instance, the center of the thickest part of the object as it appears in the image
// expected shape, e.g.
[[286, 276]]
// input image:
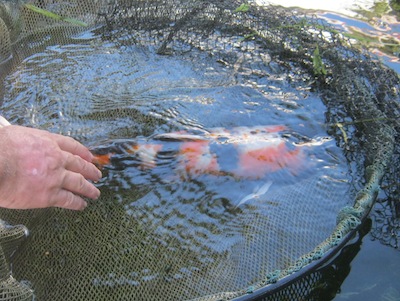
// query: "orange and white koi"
[[241, 152]]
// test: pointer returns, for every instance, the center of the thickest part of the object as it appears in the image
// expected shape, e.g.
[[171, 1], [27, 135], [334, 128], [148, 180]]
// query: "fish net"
[[107, 71]]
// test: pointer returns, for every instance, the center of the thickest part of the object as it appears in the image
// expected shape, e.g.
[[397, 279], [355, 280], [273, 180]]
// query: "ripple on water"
[[97, 92]]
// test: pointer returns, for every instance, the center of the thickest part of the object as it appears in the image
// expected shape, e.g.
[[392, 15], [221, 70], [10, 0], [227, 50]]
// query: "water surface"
[[97, 92]]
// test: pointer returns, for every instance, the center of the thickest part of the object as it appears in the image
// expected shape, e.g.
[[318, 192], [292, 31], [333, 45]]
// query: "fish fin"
[[245, 199], [261, 191]]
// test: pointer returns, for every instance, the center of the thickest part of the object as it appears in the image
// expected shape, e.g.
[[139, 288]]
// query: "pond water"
[[99, 92]]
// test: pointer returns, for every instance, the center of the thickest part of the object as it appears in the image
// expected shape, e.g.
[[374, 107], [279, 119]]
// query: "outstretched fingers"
[[68, 200], [78, 165], [78, 171], [74, 188], [72, 146], [77, 184]]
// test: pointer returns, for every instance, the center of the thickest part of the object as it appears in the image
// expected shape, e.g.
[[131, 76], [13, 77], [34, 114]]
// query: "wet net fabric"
[[153, 236]]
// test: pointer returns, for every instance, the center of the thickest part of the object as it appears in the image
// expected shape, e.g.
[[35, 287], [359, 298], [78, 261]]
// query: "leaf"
[[242, 8], [54, 16], [341, 128], [318, 65]]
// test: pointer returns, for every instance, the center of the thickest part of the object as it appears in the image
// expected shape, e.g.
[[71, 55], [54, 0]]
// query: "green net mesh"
[[102, 71]]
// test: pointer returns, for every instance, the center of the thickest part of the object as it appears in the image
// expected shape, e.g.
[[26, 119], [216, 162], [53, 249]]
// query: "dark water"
[[374, 274]]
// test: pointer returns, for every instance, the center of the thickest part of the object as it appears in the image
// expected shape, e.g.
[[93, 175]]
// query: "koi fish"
[[241, 152]]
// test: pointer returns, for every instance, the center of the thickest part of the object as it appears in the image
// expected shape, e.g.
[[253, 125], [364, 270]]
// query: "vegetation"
[[54, 16]]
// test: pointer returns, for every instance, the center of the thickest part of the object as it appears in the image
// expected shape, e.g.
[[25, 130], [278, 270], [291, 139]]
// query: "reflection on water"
[[374, 25]]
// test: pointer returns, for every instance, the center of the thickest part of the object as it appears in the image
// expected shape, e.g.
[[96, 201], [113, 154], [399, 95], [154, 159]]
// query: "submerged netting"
[[119, 74]]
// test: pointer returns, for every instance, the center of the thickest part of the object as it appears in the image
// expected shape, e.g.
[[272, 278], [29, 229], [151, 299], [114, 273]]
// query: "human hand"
[[39, 169]]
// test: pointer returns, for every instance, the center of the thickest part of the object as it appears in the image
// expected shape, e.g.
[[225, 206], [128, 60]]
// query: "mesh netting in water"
[[142, 69]]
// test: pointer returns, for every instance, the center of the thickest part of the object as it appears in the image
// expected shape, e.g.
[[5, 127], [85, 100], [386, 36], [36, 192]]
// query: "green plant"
[[242, 8], [318, 64], [52, 15]]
